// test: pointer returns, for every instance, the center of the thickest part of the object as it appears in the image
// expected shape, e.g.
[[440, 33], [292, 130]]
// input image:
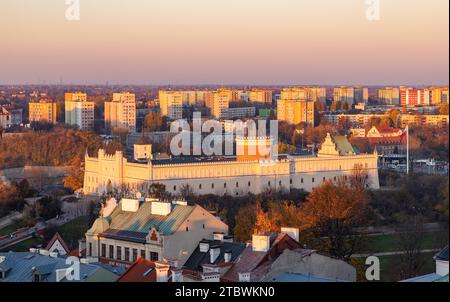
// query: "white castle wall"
[[233, 177]]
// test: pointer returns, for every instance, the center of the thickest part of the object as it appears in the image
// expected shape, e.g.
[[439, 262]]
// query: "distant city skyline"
[[232, 42]]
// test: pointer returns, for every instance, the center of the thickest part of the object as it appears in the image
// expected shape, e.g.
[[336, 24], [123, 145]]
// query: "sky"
[[249, 42]]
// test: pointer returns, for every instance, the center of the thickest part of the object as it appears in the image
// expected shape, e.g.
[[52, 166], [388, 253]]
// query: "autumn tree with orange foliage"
[[331, 213]]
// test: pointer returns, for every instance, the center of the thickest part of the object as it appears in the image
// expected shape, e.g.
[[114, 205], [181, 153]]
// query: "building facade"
[[389, 96], [260, 96], [10, 117], [344, 95], [121, 112], [78, 111], [227, 175], [171, 103], [42, 111], [296, 111], [149, 228]]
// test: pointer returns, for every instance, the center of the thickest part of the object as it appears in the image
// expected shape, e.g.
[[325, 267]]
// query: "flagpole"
[[407, 149]]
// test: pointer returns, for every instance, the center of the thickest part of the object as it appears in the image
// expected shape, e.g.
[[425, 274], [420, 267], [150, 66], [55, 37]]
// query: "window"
[[249, 184], [119, 253], [324, 179], [103, 252], [154, 256], [90, 249], [290, 181], [135, 254], [203, 225], [237, 185], [279, 183], [2, 275], [187, 229], [174, 188], [212, 186], [268, 183], [111, 252], [225, 185], [143, 254], [313, 179], [127, 254], [200, 186], [301, 180]]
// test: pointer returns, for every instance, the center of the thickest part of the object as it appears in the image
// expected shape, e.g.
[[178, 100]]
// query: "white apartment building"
[[121, 112], [78, 111]]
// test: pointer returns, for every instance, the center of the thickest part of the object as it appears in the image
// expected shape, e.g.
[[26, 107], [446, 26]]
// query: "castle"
[[235, 176]]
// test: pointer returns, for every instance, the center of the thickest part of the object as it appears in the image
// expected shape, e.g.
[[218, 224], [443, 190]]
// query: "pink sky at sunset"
[[225, 42]]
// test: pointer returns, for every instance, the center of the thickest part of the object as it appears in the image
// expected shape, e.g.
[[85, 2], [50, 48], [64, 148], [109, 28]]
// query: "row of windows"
[[107, 251], [269, 183]]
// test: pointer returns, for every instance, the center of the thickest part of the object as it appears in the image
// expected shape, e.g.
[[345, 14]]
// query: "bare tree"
[[411, 242]]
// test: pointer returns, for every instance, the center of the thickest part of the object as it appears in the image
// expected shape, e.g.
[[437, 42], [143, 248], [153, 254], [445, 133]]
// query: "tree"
[[186, 192], [263, 223], [157, 190], [153, 122], [443, 109], [411, 241], [245, 223], [335, 106], [330, 214]]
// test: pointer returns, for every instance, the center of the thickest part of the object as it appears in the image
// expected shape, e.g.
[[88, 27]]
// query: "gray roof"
[[20, 267], [294, 277], [443, 254], [197, 258], [136, 225]]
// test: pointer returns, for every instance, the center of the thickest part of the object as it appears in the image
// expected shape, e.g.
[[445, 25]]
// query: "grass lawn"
[[74, 230], [389, 267], [24, 246], [8, 230], [390, 243]]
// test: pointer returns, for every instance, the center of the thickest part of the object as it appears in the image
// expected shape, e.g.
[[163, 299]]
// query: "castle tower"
[[254, 148]]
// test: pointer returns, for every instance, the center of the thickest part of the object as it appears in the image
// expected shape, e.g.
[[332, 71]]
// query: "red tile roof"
[[258, 263], [140, 271]]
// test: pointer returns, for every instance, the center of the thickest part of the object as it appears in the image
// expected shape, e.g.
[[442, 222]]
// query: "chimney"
[[177, 275], [294, 233], [218, 236], [214, 253], [244, 277], [260, 243], [227, 256], [172, 262], [162, 271], [130, 205], [204, 246], [161, 208]]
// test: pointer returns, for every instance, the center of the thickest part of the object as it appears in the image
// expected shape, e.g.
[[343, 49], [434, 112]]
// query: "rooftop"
[[19, 267]]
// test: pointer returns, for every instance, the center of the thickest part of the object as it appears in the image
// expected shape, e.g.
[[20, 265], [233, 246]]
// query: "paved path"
[[9, 219], [392, 253]]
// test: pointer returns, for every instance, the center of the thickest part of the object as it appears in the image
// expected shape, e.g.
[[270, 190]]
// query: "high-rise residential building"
[[171, 104], [189, 97], [78, 111], [260, 96], [304, 93], [361, 95], [121, 112], [10, 116], [439, 95], [220, 100], [389, 96], [296, 111], [414, 97], [42, 111], [344, 95]]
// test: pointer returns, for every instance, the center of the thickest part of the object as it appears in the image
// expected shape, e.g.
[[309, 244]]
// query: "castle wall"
[[235, 178]]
